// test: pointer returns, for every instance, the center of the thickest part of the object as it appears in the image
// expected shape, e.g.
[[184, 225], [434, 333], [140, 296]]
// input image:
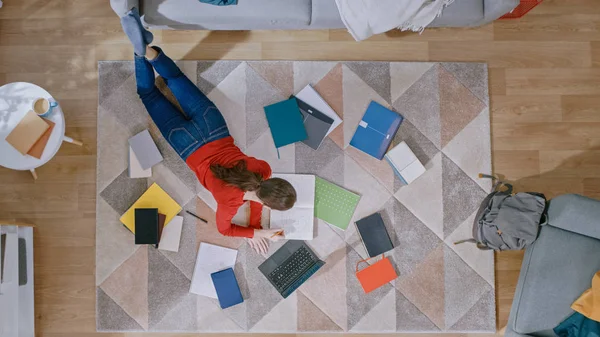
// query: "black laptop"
[[290, 266]]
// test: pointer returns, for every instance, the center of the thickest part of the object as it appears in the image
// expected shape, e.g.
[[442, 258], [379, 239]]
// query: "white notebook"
[[135, 169], [210, 259], [171, 235], [311, 97], [404, 162], [297, 222]]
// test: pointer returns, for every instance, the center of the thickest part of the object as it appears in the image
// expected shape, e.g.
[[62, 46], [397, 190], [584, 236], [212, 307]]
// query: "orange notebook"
[[39, 146], [27, 132], [376, 275]]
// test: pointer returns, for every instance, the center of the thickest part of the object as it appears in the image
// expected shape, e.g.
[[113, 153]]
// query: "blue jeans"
[[201, 121]]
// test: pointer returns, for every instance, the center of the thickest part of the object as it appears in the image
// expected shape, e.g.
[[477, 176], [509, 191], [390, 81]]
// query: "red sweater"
[[229, 198]]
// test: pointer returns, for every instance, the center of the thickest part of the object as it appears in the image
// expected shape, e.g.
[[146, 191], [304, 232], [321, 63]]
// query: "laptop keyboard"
[[294, 267]]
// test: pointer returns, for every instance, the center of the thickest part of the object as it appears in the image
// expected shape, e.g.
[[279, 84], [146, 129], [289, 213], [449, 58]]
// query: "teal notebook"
[[285, 122], [333, 204]]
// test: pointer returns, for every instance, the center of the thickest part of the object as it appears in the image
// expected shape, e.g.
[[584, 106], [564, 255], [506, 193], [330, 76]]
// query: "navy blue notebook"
[[376, 130], [285, 122], [228, 290]]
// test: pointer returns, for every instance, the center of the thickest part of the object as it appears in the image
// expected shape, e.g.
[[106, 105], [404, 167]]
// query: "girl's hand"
[[259, 244]]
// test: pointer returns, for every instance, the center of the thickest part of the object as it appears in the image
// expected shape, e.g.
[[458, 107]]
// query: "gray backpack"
[[507, 221]]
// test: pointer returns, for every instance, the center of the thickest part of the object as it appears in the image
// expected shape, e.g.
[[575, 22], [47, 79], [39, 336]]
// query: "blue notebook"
[[376, 130], [228, 290], [285, 122]]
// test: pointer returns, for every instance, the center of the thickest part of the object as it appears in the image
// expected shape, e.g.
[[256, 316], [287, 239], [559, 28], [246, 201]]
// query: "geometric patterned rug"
[[440, 288]]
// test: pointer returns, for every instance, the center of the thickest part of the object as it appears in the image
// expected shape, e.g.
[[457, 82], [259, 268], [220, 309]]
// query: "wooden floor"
[[545, 99]]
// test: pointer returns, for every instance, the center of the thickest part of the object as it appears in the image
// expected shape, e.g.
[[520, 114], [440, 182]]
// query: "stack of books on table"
[[31, 135]]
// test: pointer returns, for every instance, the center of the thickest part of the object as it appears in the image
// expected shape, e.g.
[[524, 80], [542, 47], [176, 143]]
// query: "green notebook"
[[333, 204]]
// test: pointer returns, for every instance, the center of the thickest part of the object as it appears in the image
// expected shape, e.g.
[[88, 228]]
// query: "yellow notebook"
[[154, 197]]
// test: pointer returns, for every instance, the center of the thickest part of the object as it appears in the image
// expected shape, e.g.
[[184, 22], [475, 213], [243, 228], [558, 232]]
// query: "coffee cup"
[[42, 106]]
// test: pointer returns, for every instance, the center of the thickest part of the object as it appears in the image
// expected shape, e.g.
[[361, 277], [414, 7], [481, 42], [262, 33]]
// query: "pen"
[[195, 216]]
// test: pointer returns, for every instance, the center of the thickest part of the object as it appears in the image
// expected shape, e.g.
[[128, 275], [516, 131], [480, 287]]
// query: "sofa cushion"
[[460, 13], [325, 15], [556, 269], [247, 15]]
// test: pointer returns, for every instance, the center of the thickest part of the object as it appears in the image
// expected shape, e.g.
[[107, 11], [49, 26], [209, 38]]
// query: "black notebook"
[[146, 226], [374, 235], [316, 124]]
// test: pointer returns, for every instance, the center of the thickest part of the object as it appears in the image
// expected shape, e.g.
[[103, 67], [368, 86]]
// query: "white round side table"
[[15, 102]]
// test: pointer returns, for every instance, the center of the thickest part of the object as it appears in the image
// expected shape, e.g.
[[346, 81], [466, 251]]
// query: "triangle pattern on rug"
[[182, 317], [330, 300], [458, 106], [310, 72], [425, 287], [210, 73], [373, 195], [262, 296], [474, 76], [167, 286], [359, 303], [414, 240], [330, 88], [212, 318], [410, 318], [311, 318], [263, 94], [113, 246], [185, 258], [470, 149], [481, 317], [112, 155], [123, 192], [263, 148], [405, 74], [230, 97], [128, 286], [464, 287], [113, 317], [375, 74], [420, 104], [309, 161], [423, 197], [111, 75], [282, 318], [382, 318], [481, 261], [279, 73], [460, 194]]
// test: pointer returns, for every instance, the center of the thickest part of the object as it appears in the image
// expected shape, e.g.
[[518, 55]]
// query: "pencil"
[[195, 216], [278, 233]]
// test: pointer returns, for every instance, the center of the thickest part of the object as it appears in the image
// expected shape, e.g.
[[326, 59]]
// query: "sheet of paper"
[[312, 98], [171, 235], [210, 259], [297, 222]]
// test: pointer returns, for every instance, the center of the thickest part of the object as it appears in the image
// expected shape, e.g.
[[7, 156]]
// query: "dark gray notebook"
[[374, 235], [316, 124]]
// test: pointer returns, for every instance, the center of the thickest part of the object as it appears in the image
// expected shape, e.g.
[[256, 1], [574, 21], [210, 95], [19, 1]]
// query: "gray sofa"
[[287, 14], [558, 267]]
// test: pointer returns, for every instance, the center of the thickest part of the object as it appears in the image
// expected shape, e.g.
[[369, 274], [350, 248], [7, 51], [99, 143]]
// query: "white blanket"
[[364, 18]]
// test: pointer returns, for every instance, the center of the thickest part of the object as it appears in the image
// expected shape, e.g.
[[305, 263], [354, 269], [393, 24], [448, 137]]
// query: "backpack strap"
[[466, 240]]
